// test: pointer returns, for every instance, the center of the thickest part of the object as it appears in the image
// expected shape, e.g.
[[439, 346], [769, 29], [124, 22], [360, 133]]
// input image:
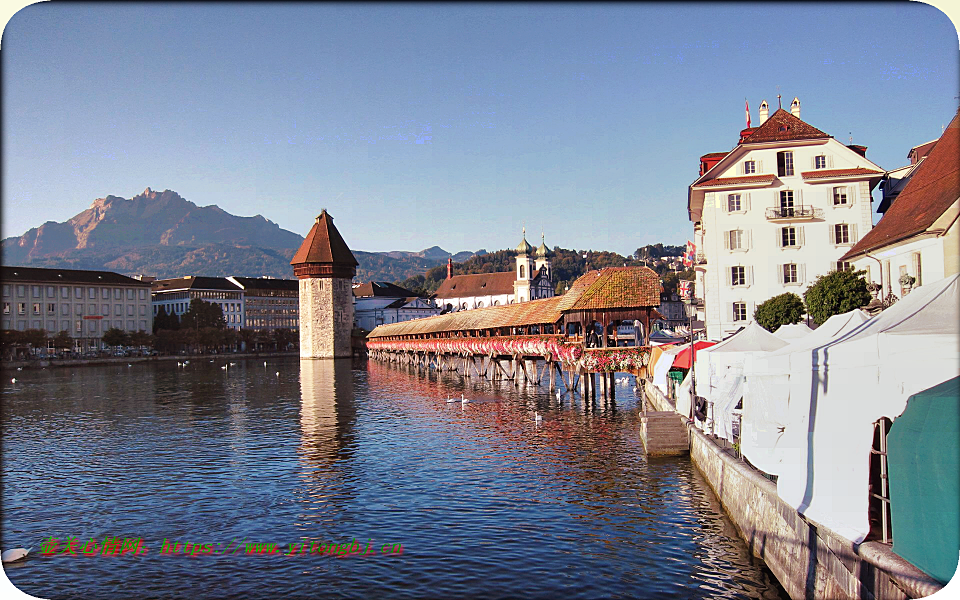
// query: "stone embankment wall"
[[809, 560]]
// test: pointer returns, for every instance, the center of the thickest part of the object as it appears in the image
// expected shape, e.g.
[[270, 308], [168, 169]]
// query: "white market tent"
[[791, 332], [663, 366], [854, 380], [768, 433], [719, 371]]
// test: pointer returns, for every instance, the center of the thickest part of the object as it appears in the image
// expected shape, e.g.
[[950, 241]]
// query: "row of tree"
[[164, 340], [567, 266], [832, 294]]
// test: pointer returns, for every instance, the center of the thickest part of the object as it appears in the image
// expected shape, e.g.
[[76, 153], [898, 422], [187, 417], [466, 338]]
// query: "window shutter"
[[729, 271], [726, 240], [740, 169], [851, 194], [751, 309], [729, 312], [759, 167], [833, 234], [813, 162], [746, 200], [830, 161], [749, 275], [802, 275], [799, 196], [779, 233], [749, 240], [780, 273], [853, 233], [800, 235]]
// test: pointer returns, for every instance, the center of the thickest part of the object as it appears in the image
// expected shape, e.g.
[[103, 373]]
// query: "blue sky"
[[445, 124]]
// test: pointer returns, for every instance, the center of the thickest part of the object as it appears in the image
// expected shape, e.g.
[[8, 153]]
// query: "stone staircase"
[[664, 433]]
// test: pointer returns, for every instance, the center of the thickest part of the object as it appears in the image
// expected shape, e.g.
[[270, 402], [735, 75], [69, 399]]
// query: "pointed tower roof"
[[542, 250], [524, 247], [783, 126], [324, 246]]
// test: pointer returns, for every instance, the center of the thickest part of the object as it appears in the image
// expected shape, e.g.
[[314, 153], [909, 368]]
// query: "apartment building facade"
[[83, 303], [779, 209]]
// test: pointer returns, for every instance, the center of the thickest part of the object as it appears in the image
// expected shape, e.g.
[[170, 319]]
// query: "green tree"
[[785, 309], [141, 339], [168, 340], [35, 338], [63, 341], [249, 338], [284, 337], [835, 294], [165, 320], [10, 340], [115, 337], [202, 314]]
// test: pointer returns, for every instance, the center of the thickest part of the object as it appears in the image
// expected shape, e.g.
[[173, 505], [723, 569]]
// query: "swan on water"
[[463, 400], [14, 554], [537, 417], [451, 400]]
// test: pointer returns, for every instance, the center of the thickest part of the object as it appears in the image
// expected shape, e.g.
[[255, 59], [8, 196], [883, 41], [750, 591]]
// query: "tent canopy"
[[751, 338], [791, 332], [682, 361], [849, 383], [923, 450]]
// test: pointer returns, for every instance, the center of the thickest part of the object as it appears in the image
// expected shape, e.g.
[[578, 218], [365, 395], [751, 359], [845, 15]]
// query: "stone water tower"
[[325, 267]]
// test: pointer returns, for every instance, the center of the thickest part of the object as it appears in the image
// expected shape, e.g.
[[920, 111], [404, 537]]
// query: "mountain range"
[[164, 235]]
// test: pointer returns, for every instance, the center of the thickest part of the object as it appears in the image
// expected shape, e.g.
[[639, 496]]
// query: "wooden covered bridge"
[[511, 341]]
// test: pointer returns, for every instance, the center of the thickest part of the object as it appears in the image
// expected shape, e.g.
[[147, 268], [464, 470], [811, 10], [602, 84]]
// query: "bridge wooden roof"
[[606, 289]]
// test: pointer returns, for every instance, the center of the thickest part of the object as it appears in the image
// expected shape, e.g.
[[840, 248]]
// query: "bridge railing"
[[556, 347]]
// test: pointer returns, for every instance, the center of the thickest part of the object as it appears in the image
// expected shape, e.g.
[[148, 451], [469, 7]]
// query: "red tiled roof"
[[824, 173], [621, 287], [714, 155], [934, 187], [783, 126], [324, 245], [478, 284], [737, 180]]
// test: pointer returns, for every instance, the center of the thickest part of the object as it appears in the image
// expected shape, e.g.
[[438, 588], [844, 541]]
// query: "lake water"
[[467, 500]]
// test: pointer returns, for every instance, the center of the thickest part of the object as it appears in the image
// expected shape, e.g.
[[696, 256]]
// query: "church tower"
[[325, 267], [543, 258], [525, 270]]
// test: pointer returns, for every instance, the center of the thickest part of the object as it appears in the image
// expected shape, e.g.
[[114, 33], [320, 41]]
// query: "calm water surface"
[[484, 501]]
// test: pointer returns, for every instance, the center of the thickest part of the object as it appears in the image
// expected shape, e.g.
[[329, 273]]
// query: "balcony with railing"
[[792, 213]]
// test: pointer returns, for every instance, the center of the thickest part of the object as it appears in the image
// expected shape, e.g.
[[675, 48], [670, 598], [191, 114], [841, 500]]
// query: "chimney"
[[449, 267], [764, 112], [795, 107]]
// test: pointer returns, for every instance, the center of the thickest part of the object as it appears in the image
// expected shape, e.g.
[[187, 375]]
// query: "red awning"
[[682, 361]]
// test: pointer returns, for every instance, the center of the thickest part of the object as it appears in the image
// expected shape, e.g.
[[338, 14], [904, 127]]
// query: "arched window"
[[521, 271], [496, 303], [464, 306], [479, 304]]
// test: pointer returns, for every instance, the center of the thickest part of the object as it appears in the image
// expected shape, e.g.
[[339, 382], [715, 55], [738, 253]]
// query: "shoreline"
[[112, 360]]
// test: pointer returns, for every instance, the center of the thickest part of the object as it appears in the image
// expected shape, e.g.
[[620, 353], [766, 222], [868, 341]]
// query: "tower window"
[[521, 271]]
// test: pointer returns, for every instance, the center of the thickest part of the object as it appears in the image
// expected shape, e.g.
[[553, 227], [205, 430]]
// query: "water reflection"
[[486, 501]]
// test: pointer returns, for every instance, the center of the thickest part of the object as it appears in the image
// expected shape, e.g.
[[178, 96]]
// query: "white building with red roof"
[[531, 280], [779, 209], [918, 235]]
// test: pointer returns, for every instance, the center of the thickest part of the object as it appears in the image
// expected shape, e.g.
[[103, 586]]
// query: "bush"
[[784, 309], [835, 294]]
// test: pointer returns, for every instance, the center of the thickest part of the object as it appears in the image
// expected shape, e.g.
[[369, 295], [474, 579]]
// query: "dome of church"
[[543, 251], [524, 247]]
